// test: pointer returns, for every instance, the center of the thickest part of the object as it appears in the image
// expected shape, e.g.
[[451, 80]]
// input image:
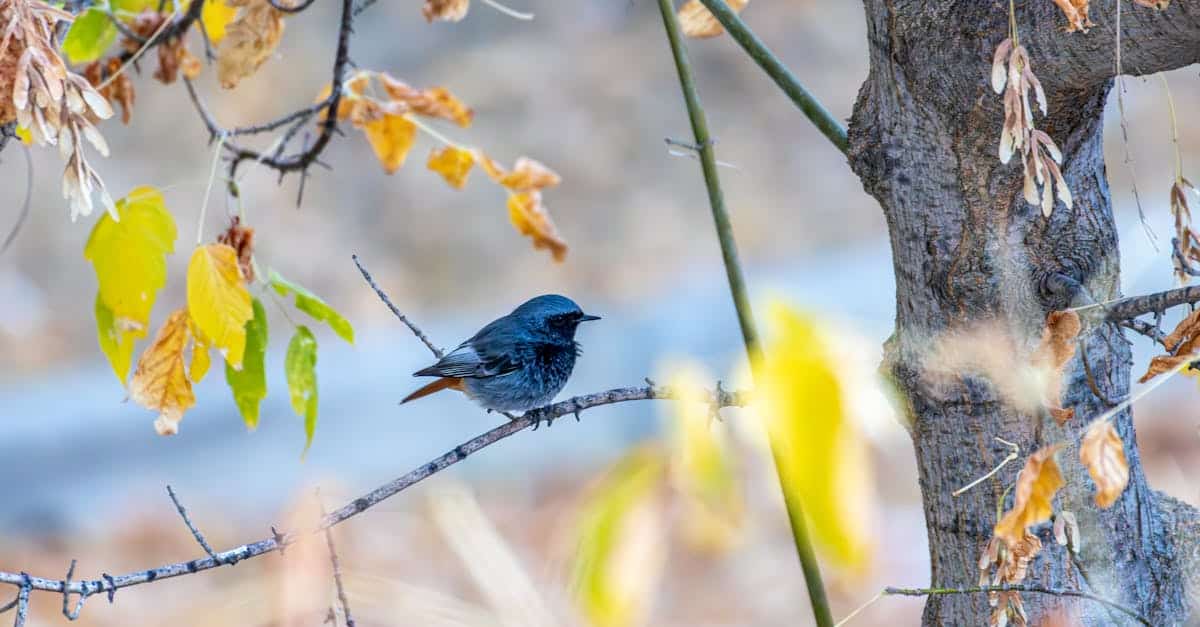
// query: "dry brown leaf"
[[1076, 12], [530, 218], [1033, 498], [1154, 4], [699, 23], [435, 102], [119, 90], [1054, 352], [453, 163], [241, 239], [1005, 564], [249, 41], [160, 382], [446, 10], [1103, 454], [1183, 344]]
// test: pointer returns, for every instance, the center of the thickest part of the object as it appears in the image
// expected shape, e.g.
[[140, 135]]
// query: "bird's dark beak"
[[587, 317]]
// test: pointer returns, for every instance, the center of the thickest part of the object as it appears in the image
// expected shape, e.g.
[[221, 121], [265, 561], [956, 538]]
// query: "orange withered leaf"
[[530, 218], [1154, 4], [1076, 12], [698, 22], [527, 174], [1103, 454], [1033, 498], [1055, 350], [446, 10], [435, 102], [160, 382], [453, 163], [1182, 345], [391, 138]]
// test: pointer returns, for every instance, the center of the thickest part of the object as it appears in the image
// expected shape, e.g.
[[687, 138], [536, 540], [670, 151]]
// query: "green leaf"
[[249, 385], [300, 365], [312, 305], [90, 35], [117, 344], [129, 258]]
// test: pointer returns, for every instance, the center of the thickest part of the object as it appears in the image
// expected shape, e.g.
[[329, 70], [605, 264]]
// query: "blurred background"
[[588, 87]]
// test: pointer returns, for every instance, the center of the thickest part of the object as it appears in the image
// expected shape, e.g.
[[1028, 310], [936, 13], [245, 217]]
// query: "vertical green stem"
[[741, 300]]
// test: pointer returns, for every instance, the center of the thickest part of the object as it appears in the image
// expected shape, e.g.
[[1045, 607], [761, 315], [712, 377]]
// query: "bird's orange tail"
[[453, 383]]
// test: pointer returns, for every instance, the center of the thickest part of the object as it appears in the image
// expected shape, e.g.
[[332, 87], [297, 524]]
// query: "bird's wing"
[[489, 353]]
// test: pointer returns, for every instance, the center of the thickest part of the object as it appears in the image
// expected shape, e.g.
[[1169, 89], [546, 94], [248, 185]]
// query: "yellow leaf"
[[249, 41], [821, 456], [200, 360], [702, 467], [218, 301], [698, 22], [129, 258], [391, 137], [527, 174], [24, 135], [216, 16], [1033, 497], [1103, 454], [529, 217], [453, 163], [447, 10], [160, 383], [620, 542], [436, 102]]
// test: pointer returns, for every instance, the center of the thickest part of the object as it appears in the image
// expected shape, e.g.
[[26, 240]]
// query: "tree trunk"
[[968, 248]]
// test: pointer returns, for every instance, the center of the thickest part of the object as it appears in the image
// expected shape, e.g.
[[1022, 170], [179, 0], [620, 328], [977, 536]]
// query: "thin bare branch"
[[437, 352], [191, 527], [66, 606], [23, 599], [921, 592], [278, 541], [337, 569]]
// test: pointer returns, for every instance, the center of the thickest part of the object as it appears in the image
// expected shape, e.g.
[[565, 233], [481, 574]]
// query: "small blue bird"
[[515, 363]]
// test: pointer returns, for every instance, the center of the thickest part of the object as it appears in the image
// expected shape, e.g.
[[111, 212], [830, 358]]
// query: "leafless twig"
[[66, 608], [191, 527], [23, 600], [920, 592], [337, 570], [437, 352]]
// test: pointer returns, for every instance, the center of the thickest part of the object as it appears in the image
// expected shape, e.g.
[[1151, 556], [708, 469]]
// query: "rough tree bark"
[[968, 248]]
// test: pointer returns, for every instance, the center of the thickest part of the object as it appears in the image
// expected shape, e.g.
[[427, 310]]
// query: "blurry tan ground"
[[589, 89]]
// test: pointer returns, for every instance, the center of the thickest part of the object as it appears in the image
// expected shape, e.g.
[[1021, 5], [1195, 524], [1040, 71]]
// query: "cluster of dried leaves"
[[56, 105], [1076, 11], [1012, 76], [1182, 344], [698, 22], [383, 108]]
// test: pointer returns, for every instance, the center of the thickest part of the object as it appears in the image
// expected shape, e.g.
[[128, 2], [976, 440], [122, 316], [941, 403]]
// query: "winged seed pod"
[[56, 105], [1187, 242], [1013, 78]]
